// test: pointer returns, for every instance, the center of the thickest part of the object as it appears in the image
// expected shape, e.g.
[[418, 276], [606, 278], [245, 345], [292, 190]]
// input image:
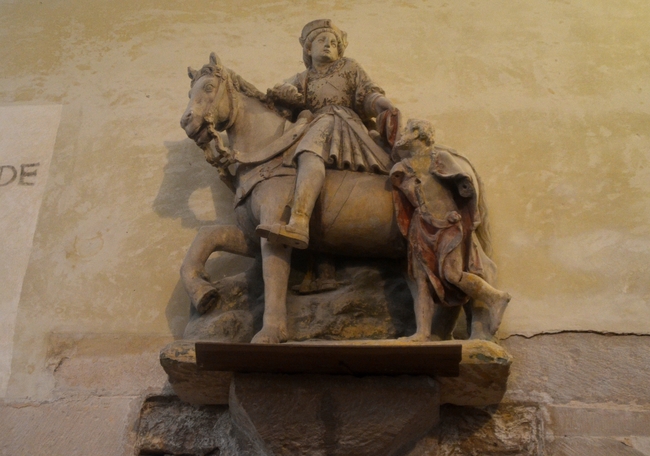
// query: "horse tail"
[[483, 230]]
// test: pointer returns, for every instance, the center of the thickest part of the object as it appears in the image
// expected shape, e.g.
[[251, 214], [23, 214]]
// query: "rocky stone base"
[[507, 429], [372, 301], [171, 427]]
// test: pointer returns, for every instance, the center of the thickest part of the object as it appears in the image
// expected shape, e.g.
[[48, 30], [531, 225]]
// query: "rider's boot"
[[309, 182]]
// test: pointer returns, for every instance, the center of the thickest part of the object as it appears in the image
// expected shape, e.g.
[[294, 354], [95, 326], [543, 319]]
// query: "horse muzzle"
[[195, 127]]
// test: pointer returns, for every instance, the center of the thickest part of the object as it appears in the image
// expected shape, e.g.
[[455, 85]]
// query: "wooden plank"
[[433, 360]]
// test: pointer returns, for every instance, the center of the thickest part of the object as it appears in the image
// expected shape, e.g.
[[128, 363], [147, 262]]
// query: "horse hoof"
[[270, 336], [414, 338], [207, 300]]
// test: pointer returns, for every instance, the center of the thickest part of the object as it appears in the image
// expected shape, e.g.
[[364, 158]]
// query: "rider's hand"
[[286, 92]]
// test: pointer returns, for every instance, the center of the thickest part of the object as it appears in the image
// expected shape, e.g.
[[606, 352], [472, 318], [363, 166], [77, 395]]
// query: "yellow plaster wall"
[[550, 100]]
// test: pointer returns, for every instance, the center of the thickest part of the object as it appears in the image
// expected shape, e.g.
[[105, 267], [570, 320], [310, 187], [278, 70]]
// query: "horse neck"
[[255, 125]]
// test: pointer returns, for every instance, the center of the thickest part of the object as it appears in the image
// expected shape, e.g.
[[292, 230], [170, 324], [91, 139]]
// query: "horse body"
[[354, 214]]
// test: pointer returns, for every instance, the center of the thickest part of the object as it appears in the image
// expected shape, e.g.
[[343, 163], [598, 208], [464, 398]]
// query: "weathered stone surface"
[[236, 309], [496, 431], [171, 427], [373, 302], [333, 415], [91, 426], [592, 446], [179, 361], [580, 367], [641, 444], [106, 364], [483, 378], [600, 420]]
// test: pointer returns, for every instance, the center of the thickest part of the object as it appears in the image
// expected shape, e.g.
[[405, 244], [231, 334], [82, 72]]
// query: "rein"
[[226, 155]]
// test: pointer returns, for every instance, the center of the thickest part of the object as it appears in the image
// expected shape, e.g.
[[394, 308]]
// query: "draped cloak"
[[436, 218]]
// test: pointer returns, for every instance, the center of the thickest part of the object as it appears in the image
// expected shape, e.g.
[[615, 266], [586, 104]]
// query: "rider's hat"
[[313, 29]]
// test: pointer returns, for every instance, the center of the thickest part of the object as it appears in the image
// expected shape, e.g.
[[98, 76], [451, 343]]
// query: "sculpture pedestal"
[[320, 414], [482, 379]]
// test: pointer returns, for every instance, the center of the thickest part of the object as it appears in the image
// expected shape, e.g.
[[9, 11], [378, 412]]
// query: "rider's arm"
[[369, 96]]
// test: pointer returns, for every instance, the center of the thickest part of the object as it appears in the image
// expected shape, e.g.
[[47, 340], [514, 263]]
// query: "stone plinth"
[[200, 388], [484, 370]]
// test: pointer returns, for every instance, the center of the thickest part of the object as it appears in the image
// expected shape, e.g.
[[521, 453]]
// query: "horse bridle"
[[226, 154]]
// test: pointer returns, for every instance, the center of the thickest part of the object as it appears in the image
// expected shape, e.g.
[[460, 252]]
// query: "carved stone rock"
[[372, 302]]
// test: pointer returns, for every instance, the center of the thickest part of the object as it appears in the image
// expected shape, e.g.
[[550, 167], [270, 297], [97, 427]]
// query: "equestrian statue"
[[319, 162]]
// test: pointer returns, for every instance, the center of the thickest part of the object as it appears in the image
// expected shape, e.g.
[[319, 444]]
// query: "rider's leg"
[[309, 183]]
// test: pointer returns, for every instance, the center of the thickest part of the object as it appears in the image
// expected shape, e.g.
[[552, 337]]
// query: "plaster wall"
[[549, 99]]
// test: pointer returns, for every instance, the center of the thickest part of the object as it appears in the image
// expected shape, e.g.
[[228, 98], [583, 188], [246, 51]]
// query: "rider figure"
[[340, 96]]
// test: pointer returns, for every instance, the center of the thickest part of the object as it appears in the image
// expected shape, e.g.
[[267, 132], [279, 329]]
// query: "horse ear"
[[191, 73], [215, 60]]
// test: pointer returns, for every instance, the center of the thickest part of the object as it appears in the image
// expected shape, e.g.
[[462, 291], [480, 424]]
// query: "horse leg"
[[209, 239], [276, 265]]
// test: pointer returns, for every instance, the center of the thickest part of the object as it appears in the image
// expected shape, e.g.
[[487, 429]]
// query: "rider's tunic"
[[339, 99]]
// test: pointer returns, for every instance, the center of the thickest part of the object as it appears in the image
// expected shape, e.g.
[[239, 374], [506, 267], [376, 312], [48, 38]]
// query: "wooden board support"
[[313, 358]]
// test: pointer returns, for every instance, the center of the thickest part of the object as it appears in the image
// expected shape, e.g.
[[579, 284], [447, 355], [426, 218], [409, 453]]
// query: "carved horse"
[[354, 214]]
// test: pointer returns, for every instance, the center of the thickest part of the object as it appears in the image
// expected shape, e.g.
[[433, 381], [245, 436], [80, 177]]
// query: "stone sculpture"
[[339, 199], [318, 166]]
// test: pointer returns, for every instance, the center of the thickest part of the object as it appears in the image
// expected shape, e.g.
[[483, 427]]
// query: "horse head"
[[208, 109]]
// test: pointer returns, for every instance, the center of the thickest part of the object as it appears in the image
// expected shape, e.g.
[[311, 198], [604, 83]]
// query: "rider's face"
[[324, 48]]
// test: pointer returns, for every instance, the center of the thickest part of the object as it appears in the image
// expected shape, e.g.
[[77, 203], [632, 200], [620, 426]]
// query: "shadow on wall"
[[187, 175], [192, 192]]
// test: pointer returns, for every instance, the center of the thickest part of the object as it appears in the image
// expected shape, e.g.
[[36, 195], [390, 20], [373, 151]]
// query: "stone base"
[[333, 415], [484, 371], [171, 427], [191, 385]]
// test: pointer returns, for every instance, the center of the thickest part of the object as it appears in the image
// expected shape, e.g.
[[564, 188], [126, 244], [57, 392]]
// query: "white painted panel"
[[27, 136]]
